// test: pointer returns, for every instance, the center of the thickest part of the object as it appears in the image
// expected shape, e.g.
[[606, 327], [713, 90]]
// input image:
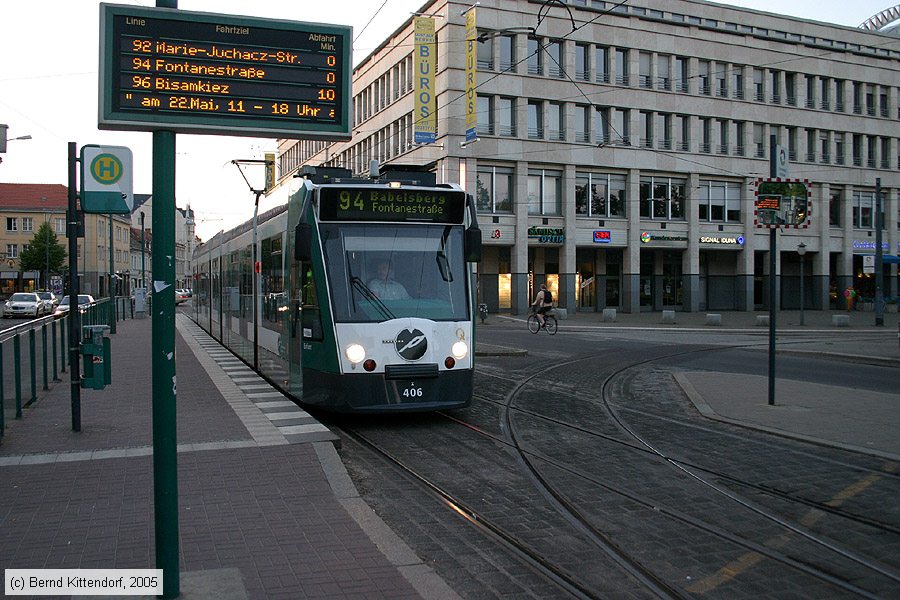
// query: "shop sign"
[[602, 237], [547, 235], [869, 245], [647, 237], [722, 240]]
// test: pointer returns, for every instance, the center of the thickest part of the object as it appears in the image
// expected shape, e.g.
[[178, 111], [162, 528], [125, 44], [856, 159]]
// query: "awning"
[[888, 259]]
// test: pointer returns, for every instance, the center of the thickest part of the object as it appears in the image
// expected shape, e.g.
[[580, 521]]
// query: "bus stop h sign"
[[106, 179]]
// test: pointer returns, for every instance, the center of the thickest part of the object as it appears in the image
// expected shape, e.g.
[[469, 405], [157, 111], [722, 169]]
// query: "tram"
[[359, 294]]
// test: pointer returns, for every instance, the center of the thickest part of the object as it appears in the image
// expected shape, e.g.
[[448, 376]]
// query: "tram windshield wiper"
[[369, 295]]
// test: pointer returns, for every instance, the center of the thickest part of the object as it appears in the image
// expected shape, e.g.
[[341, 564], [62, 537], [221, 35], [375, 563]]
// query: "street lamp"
[[801, 251]]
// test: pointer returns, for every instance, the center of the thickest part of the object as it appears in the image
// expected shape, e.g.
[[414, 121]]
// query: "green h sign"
[[106, 179]]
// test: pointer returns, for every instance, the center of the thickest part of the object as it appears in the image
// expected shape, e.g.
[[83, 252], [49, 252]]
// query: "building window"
[[824, 148], [556, 121], [741, 128], [645, 79], [506, 116], [839, 96], [599, 195], [27, 223], [622, 126], [663, 130], [834, 209], [646, 129], [810, 145], [776, 86], [758, 85], [602, 56], [622, 76], [60, 225], [703, 76], [825, 95], [555, 59], [723, 136], [705, 135], [663, 76], [681, 75], [601, 129], [759, 141], [857, 150], [535, 120], [485, 114], [582, 66], [810, 91], [484, 55], [494, 189], [662, 198], [582, 123], [792, 143], [839, 148], [684, 128], [12, 251], [737, 83], [12, 223], [535, 57], [721, 81], [863, 210], [544, 192], [790, 88], [719, 201], [507, 53]]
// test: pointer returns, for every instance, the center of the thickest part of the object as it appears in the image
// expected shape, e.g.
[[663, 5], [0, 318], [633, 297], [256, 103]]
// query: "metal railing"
[[46, 356]]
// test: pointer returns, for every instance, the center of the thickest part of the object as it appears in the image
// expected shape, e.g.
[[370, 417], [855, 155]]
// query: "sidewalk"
[[266, 509]]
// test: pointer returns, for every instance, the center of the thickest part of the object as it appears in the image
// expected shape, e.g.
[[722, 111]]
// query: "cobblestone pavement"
[[700, 542]]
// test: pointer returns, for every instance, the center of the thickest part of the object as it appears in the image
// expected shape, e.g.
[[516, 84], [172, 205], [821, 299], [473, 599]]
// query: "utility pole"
[[879, 257], [74, 315], [773, 249]]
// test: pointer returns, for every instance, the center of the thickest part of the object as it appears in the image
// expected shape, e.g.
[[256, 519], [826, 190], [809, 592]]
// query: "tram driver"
[[385, 286]]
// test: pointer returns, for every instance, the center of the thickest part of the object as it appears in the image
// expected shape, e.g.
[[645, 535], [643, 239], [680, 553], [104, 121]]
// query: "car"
[[27, 304], [181, 296], [83, 301], [51, 301]]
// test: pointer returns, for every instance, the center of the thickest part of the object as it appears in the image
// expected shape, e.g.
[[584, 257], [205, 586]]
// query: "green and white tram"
[[374, 304]]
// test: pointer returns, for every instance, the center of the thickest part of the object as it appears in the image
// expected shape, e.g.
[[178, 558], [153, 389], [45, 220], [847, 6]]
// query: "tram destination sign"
[[194, 72], [391, 204]]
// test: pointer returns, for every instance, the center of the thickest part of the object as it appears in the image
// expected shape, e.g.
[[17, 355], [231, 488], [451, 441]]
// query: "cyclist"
[[543, 303]]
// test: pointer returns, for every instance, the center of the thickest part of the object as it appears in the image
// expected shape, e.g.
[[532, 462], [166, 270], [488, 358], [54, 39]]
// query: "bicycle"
[[550, 324]]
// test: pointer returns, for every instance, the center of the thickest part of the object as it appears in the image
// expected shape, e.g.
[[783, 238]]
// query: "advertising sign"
[[425, 116]]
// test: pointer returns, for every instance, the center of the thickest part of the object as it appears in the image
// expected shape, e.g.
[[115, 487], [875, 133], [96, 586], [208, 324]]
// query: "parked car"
[[26, 304], [83, 301], [181, 296], [51, 300]]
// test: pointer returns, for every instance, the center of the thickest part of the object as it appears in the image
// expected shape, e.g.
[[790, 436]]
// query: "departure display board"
[[391, 204], [193, 72]]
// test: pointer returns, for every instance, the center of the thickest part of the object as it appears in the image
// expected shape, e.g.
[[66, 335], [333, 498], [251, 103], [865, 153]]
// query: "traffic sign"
[[106, 179]]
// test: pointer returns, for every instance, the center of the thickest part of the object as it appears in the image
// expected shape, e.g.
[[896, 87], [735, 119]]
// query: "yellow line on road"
[[750, 559]]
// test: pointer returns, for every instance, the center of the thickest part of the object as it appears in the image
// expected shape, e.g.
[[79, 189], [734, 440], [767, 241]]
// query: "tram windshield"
[[378, 272]]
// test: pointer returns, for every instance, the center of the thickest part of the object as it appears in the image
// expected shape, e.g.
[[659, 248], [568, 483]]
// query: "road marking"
[[750, 559]]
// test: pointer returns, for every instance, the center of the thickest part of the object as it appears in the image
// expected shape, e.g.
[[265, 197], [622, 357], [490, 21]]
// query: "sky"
[[49, 60]]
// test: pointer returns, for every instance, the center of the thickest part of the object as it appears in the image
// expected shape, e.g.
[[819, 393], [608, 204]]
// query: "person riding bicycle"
[[543, 303]]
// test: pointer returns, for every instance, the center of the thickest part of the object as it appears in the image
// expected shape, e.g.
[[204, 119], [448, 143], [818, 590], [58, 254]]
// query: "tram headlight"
[[355, 353], [459, 350]]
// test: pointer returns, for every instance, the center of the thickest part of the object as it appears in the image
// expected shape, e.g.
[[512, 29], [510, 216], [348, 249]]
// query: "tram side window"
[[310, 313]]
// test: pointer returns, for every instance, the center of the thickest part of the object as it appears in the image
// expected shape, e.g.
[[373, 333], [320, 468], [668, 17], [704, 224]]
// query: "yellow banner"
[[471, 76], [270, 171], [425, 117]]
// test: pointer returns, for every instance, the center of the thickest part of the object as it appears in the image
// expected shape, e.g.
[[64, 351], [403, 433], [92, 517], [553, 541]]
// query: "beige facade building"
[[24, 207], [619, 145]]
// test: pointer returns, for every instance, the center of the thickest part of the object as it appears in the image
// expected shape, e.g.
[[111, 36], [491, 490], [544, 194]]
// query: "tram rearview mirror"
[[473, 244], [303, 242]]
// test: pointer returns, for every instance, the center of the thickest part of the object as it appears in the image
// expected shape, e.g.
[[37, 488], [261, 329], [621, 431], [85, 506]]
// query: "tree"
[[44, 253]]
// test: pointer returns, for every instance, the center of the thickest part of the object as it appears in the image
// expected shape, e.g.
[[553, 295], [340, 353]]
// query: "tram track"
[[646, 447], [536, 464]]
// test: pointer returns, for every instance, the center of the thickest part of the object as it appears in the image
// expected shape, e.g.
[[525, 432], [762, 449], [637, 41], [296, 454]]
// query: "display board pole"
[[74, 315], [773, 249]]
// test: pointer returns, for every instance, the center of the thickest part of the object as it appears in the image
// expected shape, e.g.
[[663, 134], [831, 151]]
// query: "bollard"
[[63, 355], [33, 366], [53, 349], [668, 316], [17, 361], [2, 393], [44, 354]]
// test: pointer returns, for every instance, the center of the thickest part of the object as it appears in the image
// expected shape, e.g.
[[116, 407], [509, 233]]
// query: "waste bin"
[[95, 350]]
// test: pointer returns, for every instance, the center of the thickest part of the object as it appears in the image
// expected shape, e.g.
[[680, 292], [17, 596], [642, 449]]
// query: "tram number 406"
[[413, 391]]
